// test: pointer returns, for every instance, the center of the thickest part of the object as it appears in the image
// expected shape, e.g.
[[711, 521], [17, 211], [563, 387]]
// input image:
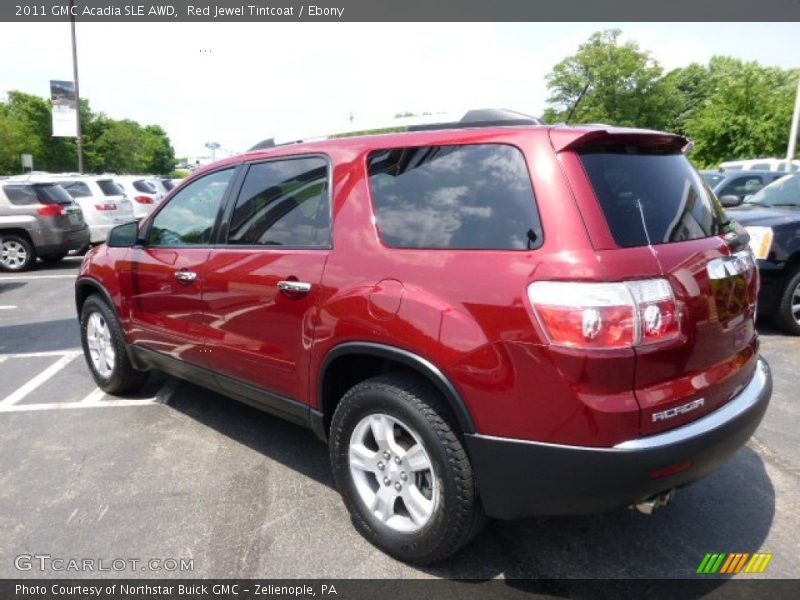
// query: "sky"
[[238, 83]]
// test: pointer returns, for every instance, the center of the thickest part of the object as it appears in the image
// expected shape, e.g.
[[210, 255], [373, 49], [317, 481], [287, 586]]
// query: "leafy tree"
[[746, 112], [109, 145], [622, 83]]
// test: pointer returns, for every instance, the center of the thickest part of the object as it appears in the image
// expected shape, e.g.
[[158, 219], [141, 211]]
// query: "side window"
[[283, 203], [467, 197], [742, 186], [76, 189], [21, 195], [188, 218]]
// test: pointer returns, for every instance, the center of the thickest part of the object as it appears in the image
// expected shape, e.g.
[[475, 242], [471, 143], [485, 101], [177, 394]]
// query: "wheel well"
[[19, 232], [84, 290], [347, 370]]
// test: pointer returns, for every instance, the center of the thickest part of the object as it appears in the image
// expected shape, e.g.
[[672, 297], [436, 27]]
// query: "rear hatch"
[[51, 202], [113, 193], [650, 214]]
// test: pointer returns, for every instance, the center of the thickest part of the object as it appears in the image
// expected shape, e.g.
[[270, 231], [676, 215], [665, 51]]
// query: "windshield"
[[783, 192]]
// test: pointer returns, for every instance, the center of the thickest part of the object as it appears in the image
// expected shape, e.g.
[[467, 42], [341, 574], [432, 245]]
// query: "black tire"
[[457, 515], [122, 377], [52, 258], [20, 246], [784, 318]]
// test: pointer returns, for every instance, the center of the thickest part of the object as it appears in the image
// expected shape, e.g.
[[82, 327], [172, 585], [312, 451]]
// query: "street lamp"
[[213, 147]]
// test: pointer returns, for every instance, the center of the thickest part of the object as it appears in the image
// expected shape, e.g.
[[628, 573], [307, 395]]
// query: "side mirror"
[[123, 236], [730, 200]]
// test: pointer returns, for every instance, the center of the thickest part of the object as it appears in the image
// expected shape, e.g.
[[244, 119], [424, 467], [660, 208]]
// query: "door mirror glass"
[[123, 236]]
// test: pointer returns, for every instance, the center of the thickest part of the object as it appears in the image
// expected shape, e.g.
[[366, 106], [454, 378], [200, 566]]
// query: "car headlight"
[[760, 240]]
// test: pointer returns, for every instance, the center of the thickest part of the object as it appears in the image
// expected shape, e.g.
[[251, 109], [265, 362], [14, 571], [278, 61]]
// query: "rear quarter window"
[[21, 195], [651, 198], [467, 197]]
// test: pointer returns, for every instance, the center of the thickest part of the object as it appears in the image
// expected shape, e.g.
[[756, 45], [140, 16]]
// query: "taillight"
[[143, 199], [50, 210], [106, 206], [605, 315]]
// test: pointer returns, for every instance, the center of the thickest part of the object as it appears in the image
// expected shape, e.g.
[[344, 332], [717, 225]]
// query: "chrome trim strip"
[[746, 399]]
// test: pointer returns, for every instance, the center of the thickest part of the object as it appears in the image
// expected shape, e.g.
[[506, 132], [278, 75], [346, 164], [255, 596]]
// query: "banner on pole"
[[65, 108]]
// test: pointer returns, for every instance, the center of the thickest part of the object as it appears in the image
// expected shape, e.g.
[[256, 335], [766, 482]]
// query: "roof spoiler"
[[571, 138]]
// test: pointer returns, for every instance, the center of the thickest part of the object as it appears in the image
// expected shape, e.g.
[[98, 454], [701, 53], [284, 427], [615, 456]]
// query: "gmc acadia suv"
[[481, 319]]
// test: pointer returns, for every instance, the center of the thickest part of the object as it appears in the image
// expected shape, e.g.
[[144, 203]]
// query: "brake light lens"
[[143, 199], [106, 206], [50, 210], [606, 315]]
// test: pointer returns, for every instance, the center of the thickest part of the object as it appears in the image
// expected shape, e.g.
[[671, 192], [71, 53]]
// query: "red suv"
[[500, 319]]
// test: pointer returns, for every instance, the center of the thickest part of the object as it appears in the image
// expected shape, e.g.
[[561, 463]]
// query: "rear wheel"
[[402, 470], [787, 317], [16, 253], [104, 349]]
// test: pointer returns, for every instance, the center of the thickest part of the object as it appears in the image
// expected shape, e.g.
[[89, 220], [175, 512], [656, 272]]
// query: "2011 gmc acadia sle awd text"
[[486, 318]]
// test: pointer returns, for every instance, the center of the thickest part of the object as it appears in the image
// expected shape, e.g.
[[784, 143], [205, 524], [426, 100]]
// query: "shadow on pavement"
[[47, 336], [729, 511]]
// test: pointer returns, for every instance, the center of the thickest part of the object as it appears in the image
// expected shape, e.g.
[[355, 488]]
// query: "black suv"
[[772, 218]]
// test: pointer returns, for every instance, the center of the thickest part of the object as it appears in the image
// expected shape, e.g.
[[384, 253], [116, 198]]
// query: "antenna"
[[578, 101]]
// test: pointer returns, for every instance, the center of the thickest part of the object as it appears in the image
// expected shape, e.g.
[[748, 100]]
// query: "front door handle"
[[185, 276], [294, 287]]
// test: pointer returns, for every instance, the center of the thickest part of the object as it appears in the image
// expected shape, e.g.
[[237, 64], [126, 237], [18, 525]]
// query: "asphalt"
[[178, 472]]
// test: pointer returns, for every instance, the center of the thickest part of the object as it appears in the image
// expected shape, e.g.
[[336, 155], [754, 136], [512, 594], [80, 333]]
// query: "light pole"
[[793, 133], [79, 135], [213, 147]]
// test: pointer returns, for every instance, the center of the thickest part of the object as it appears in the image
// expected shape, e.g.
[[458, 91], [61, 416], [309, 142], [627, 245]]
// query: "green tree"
[[157, 154], [744, 112], [623, 85]]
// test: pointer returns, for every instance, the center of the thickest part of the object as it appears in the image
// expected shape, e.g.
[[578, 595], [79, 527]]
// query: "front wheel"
[[787, 317], [402, 470], [104, 349]]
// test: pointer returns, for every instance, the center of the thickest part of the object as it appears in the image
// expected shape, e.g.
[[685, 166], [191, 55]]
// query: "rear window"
[[21, 195], [168, 185], [144, 186], [651, 198], [76, 189], [462, 197], [109, 187]]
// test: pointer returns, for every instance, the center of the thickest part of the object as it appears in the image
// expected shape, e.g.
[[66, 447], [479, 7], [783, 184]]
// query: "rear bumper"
[[60, 241], [520, 478]]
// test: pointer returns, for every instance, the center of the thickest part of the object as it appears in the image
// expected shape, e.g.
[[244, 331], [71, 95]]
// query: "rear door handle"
[[295, 287], [185, 276]]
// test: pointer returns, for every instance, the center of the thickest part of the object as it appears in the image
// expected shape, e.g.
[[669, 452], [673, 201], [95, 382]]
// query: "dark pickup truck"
[[772, 218]]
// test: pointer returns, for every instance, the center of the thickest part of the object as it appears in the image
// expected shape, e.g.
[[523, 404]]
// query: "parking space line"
[[29, 277], [70, 405], [75, 351], [34, 383], [96, 395], [7, 307]]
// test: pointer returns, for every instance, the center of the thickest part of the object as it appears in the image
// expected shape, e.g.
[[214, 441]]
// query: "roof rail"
[[485, 117]]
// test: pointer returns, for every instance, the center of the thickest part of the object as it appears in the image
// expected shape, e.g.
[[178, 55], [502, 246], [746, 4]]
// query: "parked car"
[[732, 187], [772, 218], [102, 201], [481, 319], [758, 164], [142, 191], [37, 220]]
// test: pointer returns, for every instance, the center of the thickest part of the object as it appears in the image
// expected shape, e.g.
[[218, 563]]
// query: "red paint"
[[467, 312]]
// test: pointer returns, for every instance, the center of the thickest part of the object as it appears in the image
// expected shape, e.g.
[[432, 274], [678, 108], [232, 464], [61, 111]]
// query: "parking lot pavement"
[[180, 472]]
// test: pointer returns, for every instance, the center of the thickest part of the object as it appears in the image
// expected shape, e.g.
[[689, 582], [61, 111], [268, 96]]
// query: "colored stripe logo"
[[733, 563]]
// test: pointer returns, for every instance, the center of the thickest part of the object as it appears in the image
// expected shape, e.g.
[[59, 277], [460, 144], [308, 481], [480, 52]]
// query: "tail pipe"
[[649, 505]]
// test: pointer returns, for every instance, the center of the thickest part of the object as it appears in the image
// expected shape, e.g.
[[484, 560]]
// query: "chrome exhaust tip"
[[649, 505]]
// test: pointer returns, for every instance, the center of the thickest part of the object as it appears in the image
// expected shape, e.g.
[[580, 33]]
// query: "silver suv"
[[37, 220]]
